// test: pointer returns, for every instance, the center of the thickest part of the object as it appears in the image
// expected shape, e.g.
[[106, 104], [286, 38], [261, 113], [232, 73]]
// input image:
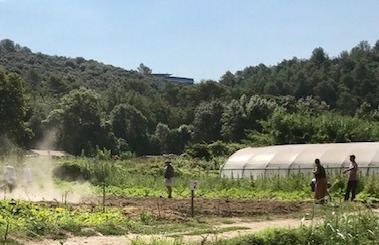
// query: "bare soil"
[[174, 209]]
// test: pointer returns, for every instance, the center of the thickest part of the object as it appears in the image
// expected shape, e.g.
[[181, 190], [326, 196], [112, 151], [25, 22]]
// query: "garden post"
[[192, 197], [194, 184]]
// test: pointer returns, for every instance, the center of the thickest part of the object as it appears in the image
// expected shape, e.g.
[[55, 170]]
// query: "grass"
[[211, 231]]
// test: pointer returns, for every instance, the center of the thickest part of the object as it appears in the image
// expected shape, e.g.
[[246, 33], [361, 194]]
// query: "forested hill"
[[70, 72], [343, 82], [86, 105]]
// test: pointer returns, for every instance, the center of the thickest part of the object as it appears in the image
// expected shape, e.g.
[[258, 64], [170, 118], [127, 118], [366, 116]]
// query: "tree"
[[172, 140], [258, 108], [209, 90], [347, 102], [162, 134], [81, 122], [207, 123], [34, 80], [57, 86], [179, 138], [141, 86], [294, 128], [228, 79], [361, 52], [233, 120], [13, 110], [364, 111], [326, 92], [302, 86], [245, 114], [130, 124], [311, 106], [319, 56], [8, 45], [144, 70], [271, 88]]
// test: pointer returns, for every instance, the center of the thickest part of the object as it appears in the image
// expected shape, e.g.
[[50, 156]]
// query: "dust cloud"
[[41, 185], [35, 178]]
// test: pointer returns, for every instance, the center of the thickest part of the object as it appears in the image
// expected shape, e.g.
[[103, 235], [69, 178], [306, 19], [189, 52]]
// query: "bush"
[[283, 237], [110, 229], [218, 148], [199, 151], [69, 171]]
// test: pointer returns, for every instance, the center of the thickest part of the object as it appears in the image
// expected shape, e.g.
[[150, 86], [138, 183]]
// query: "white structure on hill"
[[170, 78], [286, 159]]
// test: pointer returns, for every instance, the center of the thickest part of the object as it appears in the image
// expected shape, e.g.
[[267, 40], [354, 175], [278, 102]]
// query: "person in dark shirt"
[[321, 182], [168, 176]]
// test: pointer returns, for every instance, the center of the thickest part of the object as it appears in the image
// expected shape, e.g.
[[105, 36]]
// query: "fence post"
[[192, 197]]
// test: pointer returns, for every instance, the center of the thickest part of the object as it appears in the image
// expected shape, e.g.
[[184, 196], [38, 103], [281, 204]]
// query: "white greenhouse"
[[286, 159]]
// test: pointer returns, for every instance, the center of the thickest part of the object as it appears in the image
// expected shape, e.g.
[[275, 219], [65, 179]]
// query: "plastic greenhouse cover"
[[333, 155]]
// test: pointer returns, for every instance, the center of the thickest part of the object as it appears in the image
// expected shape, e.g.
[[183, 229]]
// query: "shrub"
[[69, 171], [199, 151]]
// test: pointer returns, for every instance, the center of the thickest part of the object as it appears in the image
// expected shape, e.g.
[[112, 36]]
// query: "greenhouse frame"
[[299, 158]]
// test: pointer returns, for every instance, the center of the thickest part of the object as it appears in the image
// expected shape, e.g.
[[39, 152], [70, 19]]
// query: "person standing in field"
[[321, 182], [352, 179], [168, 176], [10, 176], [27, 174]]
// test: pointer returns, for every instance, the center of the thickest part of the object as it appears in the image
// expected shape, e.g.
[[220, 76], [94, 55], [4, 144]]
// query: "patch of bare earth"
[[221, 207]]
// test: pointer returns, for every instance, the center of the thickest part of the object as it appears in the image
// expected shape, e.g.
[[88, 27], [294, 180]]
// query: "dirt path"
[[244, 228], [248, 228]]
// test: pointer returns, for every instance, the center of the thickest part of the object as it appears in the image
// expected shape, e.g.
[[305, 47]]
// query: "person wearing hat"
[[168, 175], [352, 179]]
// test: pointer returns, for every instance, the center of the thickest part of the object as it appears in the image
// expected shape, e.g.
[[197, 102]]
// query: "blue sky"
[[201, 39]]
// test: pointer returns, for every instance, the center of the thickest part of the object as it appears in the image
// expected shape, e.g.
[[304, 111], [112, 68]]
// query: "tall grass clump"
[[157, 241]]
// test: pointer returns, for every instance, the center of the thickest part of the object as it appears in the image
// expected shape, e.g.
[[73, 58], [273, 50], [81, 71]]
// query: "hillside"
[[75, 71], [90, 105]]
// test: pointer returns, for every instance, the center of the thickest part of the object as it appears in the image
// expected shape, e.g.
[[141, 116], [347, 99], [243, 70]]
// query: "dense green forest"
[[79, 105]]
